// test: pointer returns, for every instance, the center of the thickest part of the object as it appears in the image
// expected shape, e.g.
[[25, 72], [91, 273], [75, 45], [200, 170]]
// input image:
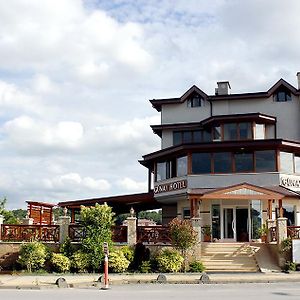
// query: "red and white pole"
[[106, 272]]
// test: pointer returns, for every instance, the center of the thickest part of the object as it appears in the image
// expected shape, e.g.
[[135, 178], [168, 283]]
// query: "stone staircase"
[[228, 257]]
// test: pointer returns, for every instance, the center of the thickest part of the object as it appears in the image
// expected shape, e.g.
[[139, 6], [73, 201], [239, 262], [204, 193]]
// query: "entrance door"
[[242, 225], [229, 223]]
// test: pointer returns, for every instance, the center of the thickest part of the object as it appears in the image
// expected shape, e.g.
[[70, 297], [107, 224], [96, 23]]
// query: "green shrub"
[[118, 263], [128, 253], [196, 266], [67, 249], [290, 266], [169, 260], [286, 245], [33, 256], [80, 261], [145, 267], [60, 262]]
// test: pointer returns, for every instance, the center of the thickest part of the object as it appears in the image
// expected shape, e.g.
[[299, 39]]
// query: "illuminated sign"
[[169, 187]]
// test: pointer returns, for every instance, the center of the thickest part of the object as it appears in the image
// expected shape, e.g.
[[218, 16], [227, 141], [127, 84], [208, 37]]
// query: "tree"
[[9, 217], [183, 236], [97, 222]]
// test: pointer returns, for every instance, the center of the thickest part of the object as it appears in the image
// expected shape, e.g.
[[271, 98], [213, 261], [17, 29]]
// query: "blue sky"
[[76, 76]]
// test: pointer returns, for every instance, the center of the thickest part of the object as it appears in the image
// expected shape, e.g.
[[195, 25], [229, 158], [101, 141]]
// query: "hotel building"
[[232, 160]]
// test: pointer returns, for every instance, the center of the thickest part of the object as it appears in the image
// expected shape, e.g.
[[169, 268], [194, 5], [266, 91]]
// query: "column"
[[270, 223], [131, 231], [64, 222], [1, 223], [281, 230], [197, 248], [27, 221]]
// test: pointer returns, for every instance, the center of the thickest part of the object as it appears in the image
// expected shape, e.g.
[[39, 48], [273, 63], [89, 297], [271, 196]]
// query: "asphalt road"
[[166, 291]]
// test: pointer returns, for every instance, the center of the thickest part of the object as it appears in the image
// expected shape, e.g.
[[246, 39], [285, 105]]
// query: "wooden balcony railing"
[[77, 233], [153, 235], [293, 232], [26, 233]]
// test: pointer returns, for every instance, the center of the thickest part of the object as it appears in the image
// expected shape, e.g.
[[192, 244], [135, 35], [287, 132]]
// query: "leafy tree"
[[97, 221], [183, 236], [19, 213], [149, 215], [9, 217]]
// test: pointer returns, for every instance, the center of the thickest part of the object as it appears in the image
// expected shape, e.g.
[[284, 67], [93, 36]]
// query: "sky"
[[76, 77]]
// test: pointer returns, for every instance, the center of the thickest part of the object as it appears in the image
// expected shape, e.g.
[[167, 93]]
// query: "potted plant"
[[206, 231], [263, 232]]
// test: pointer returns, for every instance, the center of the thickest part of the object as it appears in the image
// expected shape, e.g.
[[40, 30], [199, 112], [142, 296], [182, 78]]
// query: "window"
[[186, 213], [243, 162], [161, 173], [265, 161], [177, 139], [222, 162], [297, 164], [201, 163], [259, 131], [215, 221], [206, 135], [245, 131], [282, 96], [217, 133], [288, 212], [286, 162], [256, 218], [197, 136], [181, 166], [186, 136], [230, 131], [195, 101]]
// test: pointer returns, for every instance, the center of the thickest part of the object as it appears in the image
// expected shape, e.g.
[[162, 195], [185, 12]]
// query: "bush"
[[118, 263], [286, 245], [128, 253], [145, 267], [67, 249], [60, 262], [80, 261], [33, 256], [196, 266], [141, 253], [169, 261], [290, 266]]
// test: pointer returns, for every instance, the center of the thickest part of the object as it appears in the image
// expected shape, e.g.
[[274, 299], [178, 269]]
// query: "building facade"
[[232, 160]]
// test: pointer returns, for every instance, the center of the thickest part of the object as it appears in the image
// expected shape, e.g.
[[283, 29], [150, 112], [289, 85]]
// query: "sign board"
[[171, 186], [290, 181], [296, 251]]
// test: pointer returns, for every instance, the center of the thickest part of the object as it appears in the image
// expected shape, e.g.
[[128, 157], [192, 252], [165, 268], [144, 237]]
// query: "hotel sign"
[[170, 187], [290, 181]]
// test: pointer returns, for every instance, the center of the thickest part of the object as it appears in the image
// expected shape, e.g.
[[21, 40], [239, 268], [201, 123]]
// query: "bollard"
[[105, 249]]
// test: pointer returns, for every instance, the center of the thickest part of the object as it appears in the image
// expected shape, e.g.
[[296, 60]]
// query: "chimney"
[[224, 88], [298, 77]]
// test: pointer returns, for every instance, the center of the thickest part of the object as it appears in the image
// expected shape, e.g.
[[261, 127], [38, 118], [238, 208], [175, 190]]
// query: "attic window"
[[282, 96], [195, 101]]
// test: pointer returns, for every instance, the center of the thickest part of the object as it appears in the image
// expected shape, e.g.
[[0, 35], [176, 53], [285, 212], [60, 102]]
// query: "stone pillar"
[[64, 222], [27, 221], [1, 223], [281, 230], [298, 218], [131, 231], [270, 223], [197, 248]]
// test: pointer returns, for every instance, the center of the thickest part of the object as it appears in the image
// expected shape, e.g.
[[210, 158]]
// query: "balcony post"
[[131, 229], [281, 230], [64, 222]]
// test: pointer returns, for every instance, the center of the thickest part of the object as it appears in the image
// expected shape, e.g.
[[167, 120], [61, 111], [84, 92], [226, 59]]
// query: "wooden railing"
[[77, 233], [153, 235], [293, 232], [273, 234], [25, 233]]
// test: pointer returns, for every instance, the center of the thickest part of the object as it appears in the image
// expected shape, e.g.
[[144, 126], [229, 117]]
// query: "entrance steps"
[[228, 257]]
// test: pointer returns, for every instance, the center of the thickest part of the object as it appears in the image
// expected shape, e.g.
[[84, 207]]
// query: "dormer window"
[[195, 101], [282, 96]]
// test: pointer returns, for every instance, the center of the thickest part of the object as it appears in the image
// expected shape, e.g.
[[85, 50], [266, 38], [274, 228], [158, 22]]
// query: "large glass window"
[[206, 135], [195, 101], [181, 166], [161, 173], [282, 96], [215, 221], [187, 137], [245, 131], [297, 164], [286, 162], [243, 162], [256, 218], [222, 162], [197, 136], [177, 139], [201, 163], [265, 161], [259, 131], [230, 131]]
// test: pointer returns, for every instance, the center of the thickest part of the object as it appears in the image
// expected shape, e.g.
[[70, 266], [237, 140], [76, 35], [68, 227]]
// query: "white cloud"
[[131, 185]]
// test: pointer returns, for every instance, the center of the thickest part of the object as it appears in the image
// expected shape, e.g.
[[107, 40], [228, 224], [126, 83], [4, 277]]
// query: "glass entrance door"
[[229, 223]]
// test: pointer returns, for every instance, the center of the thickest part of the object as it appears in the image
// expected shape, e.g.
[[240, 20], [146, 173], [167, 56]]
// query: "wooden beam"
[[280, 208], [270, 209], [192, 207]]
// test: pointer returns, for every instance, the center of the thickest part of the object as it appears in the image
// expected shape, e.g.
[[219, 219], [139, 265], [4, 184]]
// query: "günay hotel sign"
[[169, 187], [290, 181]]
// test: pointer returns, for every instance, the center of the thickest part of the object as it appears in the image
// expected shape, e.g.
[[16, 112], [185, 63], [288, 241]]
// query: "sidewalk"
[[86, 281]]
